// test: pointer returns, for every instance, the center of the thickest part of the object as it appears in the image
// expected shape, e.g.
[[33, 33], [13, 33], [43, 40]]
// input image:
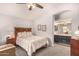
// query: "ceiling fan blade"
[[30, 8], [39, 6]]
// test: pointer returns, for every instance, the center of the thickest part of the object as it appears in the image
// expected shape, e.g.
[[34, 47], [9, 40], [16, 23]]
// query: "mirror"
[[62, 22]]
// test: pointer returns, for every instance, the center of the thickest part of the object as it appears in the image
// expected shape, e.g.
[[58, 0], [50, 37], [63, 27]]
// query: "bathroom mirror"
[[62, 22]]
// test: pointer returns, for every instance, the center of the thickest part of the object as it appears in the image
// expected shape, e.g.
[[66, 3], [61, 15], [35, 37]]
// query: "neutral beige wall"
[[9, 18]]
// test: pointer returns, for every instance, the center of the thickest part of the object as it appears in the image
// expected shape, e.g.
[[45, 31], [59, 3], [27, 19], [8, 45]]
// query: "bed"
[[29, 42]]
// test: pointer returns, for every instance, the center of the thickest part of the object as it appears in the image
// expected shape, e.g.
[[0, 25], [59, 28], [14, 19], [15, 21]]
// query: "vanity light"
[[56, 23]]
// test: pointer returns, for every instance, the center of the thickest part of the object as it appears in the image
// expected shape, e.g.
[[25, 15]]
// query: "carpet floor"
[[57, 50]]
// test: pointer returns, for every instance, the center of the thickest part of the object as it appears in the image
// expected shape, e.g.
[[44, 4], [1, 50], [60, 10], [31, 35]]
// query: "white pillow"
[[29, 34], [21, 34]]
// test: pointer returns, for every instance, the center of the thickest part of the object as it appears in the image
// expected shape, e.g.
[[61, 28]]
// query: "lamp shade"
[[77, 32], [11, 35]]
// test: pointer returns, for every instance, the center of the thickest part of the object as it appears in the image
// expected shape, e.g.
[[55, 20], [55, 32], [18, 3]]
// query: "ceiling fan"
[[33, 5]]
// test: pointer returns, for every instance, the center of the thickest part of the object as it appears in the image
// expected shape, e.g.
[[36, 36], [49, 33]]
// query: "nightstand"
[[11, 40]]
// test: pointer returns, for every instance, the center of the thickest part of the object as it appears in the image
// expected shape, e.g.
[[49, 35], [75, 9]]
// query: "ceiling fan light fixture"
[[31, 5]]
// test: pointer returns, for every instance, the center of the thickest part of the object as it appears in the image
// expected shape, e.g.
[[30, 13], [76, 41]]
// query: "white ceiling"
[[21, 10]]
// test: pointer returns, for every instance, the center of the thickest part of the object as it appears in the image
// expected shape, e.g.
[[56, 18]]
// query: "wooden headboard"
[[19, 29]]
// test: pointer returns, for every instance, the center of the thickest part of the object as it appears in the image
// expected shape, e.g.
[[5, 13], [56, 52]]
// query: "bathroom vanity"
[[62, 38], [62, 27]]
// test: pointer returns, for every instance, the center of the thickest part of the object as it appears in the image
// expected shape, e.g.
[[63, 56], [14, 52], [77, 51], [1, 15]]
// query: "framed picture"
[[39, 27], [44, 28]]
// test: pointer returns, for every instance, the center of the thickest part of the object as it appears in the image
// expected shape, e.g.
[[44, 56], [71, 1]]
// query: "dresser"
[[74, 46], [11, 41]]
